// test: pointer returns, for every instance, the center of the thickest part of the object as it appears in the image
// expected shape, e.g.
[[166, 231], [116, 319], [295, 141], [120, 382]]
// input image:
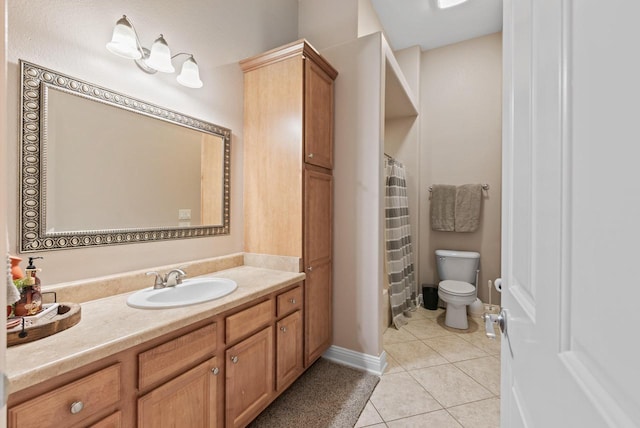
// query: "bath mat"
[[328, 394]]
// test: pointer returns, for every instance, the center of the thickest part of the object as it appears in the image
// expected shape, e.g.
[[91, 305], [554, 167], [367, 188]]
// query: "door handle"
[[501, 319], [489, 319]]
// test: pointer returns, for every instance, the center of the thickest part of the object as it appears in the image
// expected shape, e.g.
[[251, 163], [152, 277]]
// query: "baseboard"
[[358, 360]]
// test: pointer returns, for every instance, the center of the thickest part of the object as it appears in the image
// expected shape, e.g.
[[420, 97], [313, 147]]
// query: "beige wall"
[[460, 103], [402, 142], [358, 199], [70, 37]]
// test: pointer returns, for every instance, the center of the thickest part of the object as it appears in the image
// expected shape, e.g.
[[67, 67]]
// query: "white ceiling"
[[409, 23]]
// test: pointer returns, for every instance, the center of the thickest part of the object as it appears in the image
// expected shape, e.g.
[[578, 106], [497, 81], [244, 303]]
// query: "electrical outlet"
[[184, 214]]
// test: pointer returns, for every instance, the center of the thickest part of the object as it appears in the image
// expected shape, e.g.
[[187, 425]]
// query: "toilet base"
[[456, 316]]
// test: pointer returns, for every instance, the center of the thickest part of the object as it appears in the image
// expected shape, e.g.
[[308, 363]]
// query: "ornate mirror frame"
[[33, 235]]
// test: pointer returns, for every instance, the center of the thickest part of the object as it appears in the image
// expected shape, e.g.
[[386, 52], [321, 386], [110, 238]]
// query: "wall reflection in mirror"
[[102, 168]]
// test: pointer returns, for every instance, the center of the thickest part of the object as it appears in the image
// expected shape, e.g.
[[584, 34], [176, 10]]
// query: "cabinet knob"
[[311, 155], [234, 359], [293, 301], [76, 407], [283, 329], [215, 371], [310, 268]]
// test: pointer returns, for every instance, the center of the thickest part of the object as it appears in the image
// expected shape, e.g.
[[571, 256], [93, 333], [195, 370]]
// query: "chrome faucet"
[[172, 278]]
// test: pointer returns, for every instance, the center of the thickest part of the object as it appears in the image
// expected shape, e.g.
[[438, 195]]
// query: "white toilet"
[[458, 275]]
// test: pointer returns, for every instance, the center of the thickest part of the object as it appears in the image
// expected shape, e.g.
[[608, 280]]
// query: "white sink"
[[190, 292]]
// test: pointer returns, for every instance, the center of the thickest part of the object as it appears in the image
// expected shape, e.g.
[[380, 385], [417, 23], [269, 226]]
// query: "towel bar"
[[484, 187]]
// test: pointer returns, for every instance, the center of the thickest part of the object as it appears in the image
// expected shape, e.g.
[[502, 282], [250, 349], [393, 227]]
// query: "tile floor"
[[436, 377]]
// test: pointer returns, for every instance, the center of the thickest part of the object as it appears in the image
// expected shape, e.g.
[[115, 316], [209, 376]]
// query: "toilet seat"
[[457, 288]]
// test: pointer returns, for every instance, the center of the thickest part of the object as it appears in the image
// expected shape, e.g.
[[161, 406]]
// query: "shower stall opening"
[[404, 294]]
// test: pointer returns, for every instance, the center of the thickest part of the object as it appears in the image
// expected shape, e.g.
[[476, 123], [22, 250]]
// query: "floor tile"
[[430, 314], [485, 371], [453, 348], [426, 329], [449, 385], [438, 419], [480, 414], [393, 335], [392, 365], [480, 339], [399, 395], [369, 416], [414, 355]]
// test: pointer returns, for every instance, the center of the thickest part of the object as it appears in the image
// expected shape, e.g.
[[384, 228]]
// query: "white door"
[[571, 214]]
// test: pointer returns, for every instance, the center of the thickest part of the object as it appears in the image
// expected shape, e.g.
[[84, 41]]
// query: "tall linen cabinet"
[[288, 183]]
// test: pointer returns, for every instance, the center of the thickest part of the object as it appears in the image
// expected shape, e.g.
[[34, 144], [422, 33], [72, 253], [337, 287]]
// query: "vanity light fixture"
[[444, 4], [125, 43]]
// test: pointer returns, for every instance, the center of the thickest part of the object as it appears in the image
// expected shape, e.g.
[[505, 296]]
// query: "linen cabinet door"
[[318, 264], [318, 116]]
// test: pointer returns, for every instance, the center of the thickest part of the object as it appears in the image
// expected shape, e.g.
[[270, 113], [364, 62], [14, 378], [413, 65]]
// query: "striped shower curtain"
[[403, 290]]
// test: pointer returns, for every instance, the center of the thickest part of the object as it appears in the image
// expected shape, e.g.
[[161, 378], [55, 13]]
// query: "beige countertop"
[[109, 325]]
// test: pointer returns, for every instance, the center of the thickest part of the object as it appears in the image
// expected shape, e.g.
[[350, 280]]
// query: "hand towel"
[[443, 204], [467, 207]]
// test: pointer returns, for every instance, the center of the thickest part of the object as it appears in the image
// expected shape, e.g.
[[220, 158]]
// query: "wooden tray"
[[68, 316]]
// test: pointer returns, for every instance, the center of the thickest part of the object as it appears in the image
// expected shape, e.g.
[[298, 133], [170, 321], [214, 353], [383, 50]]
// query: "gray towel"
[[467, 210], [443, 205]]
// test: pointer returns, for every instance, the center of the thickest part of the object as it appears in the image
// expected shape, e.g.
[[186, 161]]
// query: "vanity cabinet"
[[220, 371], [186, 398], [190, 400], [77, 403], [249, 363], [249, 378], [288, 192], [289, 356]]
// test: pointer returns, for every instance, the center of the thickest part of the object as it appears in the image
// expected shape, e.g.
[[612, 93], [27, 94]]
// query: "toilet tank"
[[457, 265]]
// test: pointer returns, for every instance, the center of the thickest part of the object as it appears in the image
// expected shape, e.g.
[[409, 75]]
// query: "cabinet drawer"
[[113, 421], [89, 395], [289, 301], [170, 358], [245, 322]]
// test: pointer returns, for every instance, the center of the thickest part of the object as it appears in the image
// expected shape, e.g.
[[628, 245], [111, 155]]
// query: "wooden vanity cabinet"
[[190, 400], [249, 363], [222, 371], [288, 194], [181, 396], [78, 403]]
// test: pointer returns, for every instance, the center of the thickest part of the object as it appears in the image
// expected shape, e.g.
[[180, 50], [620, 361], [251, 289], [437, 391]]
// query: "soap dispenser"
[[30, 302]]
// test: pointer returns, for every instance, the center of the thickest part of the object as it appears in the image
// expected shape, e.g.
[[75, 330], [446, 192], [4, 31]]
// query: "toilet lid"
[[458, 288]]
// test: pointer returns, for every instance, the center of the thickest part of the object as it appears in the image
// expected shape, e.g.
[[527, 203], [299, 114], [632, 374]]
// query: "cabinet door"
[[190, 400], [318, 116], [317, 258], [288, 350], [249, 378]]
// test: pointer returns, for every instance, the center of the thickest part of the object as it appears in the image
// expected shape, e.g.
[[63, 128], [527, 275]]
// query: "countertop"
[[109, 325]]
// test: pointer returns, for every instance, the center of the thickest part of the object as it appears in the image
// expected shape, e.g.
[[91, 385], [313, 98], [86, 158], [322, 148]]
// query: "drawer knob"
[[215, 371], [76, 407], [293, 301], [311, 155], [234, 359], [283, 329]]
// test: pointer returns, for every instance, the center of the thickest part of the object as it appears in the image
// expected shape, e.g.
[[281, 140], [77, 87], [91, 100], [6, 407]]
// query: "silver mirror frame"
[[32, 180]]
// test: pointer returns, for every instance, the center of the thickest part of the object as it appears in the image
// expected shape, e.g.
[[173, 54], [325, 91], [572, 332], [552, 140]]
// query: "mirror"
[[102, 168]]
